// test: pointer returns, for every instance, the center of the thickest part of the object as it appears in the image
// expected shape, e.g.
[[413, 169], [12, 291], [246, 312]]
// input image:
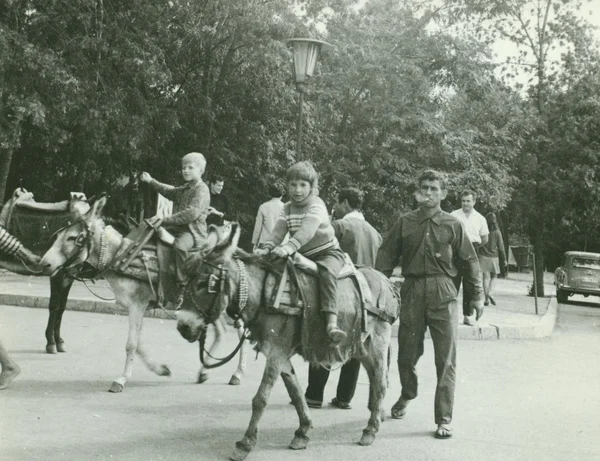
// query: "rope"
[[96, 295]]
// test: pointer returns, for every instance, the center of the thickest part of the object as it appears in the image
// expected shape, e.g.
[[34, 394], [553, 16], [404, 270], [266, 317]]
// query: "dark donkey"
[[34, 223], [228, 279]]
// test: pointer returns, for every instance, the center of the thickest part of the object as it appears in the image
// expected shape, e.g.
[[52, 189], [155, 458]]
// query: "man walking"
[[361, 241], [267, 216], [478, 232], [432, 246]]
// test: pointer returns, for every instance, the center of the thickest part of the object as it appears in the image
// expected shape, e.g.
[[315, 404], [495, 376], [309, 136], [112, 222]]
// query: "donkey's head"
[[210, 290], [73, 244]]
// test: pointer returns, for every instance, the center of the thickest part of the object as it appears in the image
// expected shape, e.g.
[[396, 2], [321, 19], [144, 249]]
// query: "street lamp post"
[[306, 54]]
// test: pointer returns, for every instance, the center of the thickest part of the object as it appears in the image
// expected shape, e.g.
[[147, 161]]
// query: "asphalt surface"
[[516, 399]]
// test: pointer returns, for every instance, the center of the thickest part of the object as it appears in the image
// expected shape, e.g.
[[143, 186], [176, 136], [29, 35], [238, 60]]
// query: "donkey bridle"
[[84, 241], [217, 285]]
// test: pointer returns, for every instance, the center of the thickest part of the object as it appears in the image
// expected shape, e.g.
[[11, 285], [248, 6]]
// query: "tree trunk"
[[5, 162]]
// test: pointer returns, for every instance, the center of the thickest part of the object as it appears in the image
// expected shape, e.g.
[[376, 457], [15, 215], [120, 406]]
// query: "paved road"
[[516, 400]]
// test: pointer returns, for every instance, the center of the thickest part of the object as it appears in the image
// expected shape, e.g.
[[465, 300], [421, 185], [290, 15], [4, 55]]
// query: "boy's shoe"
[[335, 333], [339, 404]]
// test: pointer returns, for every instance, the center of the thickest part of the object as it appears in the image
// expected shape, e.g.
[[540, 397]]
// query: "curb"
[[81, 305], [540, 329]]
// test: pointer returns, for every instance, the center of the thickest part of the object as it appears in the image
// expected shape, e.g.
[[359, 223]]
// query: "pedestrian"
[[10, 369], [306, 219], [219, 203], [267, 216], [432, 246], [190, 208], [477, 231], [11, 246], [361, 241], [492, 259]]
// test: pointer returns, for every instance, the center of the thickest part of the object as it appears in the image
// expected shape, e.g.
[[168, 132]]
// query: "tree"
[[545, 33]]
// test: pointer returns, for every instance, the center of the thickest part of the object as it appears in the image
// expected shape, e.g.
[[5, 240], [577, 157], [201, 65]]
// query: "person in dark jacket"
[[361, 241], [219, 203]]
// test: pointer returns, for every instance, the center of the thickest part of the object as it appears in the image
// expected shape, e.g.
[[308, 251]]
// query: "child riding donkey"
[[306, 219], [190, 209]]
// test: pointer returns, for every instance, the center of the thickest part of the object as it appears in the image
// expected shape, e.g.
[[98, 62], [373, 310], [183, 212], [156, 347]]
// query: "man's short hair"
[[433, 175], [215, 178], [353, 195], [467, 192], [275, 191]]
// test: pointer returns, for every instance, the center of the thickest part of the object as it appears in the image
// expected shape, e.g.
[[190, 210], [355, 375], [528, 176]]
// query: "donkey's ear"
[[234, 238], [211, 240], [97, 207]]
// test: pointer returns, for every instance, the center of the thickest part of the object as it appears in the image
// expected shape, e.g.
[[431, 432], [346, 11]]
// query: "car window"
[[586, 263]]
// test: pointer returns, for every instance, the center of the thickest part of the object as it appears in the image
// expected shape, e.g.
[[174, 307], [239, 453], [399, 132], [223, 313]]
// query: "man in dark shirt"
[[431, 245], [361, 241], [219, 204]]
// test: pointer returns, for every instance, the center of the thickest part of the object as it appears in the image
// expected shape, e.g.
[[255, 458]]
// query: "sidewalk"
[[514, 316]]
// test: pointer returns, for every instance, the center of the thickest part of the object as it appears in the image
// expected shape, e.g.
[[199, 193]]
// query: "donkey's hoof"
[[367, 439], [60, 347], [51, 348], [234, 381], [116, 387], [239, 454], [299, 443], [202, 377], [163, 370]]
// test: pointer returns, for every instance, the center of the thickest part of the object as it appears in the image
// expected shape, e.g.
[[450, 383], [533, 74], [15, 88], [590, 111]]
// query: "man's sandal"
[[443, 431]]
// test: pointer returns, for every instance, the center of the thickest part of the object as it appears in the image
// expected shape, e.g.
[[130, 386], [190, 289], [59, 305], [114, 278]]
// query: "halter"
[[84, 241], [217, 285]]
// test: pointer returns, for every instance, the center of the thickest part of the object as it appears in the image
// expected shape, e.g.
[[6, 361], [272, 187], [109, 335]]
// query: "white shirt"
[[475, 224], [267, 216]]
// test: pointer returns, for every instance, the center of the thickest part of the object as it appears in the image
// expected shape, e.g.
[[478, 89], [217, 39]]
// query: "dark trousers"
[[466, 303], [329, 262], [318, 376], [425, 304]]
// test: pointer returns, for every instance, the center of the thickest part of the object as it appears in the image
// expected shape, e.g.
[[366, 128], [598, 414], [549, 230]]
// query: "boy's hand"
[[145, 177], [261, 251], [281, 251]]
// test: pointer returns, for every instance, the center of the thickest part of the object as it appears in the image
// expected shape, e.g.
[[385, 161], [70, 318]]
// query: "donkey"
[[33, 223], [90, 240], [229, 279]]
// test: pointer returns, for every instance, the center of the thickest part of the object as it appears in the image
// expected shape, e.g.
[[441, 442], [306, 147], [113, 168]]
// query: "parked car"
[[578, 274]]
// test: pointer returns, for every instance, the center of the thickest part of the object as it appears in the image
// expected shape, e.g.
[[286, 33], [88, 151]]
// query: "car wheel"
[[562, 296]]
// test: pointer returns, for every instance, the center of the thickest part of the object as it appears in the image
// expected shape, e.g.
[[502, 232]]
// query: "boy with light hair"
[[190, 209]]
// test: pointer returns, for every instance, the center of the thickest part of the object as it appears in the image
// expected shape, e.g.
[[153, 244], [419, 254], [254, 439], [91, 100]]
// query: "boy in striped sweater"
[[306, 218]]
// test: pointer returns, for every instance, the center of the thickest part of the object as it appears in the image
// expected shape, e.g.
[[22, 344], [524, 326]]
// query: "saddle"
[[294, 292], [288, 297], [147, 255]]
